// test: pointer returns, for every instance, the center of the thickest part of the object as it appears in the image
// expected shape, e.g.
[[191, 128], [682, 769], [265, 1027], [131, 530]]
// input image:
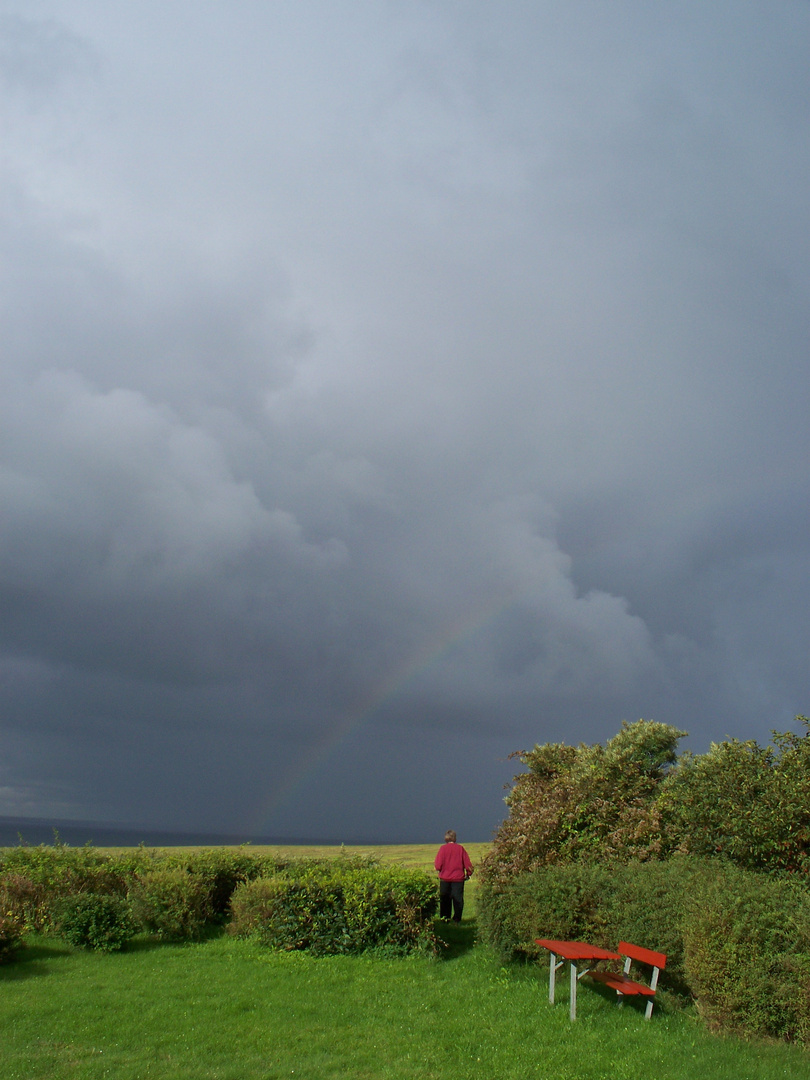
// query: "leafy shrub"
[[286, 914], [223, 869], [94, 921], [10, 937], [746, 803], [171, 903], [747, 940], [24, 903], [338, 907], [586, 802], [634, 800], [37, 878], [602, 903]]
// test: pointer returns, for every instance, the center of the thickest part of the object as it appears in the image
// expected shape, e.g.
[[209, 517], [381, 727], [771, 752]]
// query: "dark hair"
[[450, 837]]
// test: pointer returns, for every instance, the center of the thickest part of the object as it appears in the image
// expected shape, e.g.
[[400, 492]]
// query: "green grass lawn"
[[229, 1010]]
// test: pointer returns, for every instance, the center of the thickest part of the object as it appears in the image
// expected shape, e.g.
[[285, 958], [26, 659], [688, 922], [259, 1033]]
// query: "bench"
[[574, 952], [623, 984]]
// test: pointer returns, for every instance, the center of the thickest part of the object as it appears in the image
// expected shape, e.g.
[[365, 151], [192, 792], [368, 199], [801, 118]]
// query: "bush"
[[737, 941], [338, 908], [587, 801], [747, 941], [286, 914], [24, 903], [171, 903], [61, 868], [10, 938], [36, 879], [634, 800], [222, 869], [94, 921], [602, 903], [746, 803]]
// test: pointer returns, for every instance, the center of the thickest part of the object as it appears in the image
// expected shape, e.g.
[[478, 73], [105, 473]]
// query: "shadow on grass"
[[33, 959], [632, 1003], [144, 943], [36, 957], [457, 938]]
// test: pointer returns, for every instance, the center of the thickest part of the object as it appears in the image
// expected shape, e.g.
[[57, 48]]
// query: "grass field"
[[224, 1009], [414, 856]]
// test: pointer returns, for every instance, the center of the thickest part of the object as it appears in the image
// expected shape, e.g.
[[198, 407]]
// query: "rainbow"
[[429, 653]]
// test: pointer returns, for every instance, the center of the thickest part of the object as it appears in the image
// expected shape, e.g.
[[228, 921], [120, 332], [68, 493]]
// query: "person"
[[454, 867]]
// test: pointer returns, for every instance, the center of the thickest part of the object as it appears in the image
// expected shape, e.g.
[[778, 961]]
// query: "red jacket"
[[452, 862]]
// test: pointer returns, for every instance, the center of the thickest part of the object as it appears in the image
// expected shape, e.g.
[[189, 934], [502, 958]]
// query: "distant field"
[[414, 856]]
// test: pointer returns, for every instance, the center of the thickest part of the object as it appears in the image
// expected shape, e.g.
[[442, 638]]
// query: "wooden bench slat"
[[646, 956], [621, 984]]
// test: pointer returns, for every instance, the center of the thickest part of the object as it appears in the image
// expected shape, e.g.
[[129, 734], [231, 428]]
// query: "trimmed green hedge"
[[338, 907], [172, 903], [602, 903], [325, 906], [173, 894], [94, 921], [747, 949], [737, 941]]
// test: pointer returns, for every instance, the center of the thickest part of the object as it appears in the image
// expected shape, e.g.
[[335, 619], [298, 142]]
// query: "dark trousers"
[[451, 893]]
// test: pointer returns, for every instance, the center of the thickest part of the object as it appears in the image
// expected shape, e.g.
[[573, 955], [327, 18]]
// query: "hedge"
[[338, 907], [35, 879], [173, 894], [737, 941], [94, 921], [172, 903], [599, 902], [747, 949]]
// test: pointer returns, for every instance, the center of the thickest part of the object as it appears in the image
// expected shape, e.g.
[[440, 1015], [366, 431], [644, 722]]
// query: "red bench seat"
[[621, 984], [621, 981]]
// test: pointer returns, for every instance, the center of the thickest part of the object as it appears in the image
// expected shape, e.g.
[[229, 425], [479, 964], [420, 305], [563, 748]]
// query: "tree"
[[744, 802], [587, 801]]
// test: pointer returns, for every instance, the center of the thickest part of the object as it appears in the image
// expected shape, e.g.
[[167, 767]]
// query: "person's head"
[[450, 837]]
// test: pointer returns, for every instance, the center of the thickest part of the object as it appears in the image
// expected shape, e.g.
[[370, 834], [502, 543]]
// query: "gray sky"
[[388, 386]]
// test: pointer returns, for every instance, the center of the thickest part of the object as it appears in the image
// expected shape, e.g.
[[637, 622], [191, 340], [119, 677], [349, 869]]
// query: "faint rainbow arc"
[[429, 653]]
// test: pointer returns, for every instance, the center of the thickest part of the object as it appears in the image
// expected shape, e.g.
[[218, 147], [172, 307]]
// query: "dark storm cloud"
[[39, 56], [386, 386]]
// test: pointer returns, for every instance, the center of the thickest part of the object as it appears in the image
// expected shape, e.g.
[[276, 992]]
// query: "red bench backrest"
[[646, 956]]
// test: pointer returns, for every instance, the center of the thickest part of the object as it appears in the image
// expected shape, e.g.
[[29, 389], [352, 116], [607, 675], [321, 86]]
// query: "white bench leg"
[[574, 981], [552, 976], [653, 987]]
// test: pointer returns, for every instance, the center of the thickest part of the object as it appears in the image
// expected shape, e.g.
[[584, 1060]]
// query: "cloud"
[[387, 383], [39, 56]]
